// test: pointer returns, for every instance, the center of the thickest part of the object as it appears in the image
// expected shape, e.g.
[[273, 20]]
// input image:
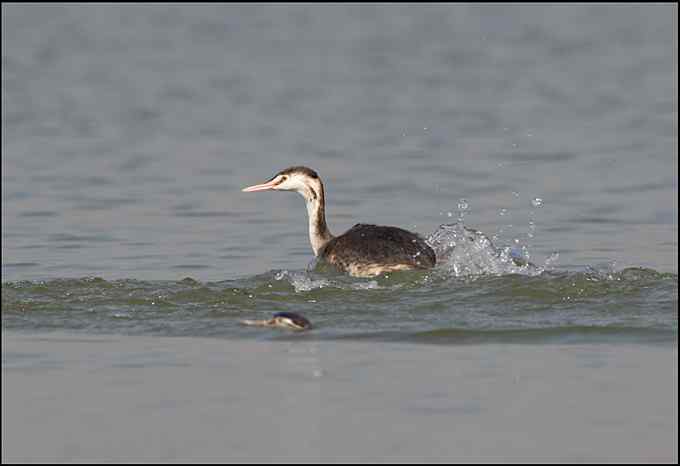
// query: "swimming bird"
[[362, 251], [283, 320]]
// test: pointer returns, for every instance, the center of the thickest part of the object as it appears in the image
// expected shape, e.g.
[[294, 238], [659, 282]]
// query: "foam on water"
[[301, 280], [307, 280]]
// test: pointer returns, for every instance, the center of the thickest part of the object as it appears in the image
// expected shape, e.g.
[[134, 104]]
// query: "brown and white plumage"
[[364, 250]]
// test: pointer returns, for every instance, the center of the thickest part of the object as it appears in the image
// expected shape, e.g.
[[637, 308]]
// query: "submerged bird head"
[[301, 179], [290, 320]]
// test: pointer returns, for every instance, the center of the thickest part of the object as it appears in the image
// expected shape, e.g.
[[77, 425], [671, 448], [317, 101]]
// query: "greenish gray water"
[[128, 132], [632, 305]]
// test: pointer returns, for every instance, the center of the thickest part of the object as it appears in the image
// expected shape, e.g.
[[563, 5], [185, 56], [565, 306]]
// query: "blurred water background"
[[128, 132]]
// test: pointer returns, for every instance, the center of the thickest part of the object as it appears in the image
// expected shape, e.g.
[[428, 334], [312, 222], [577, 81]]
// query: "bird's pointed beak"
[[261, 187]]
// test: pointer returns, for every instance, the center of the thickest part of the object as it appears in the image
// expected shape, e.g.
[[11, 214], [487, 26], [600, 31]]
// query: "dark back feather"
[[373, 244]]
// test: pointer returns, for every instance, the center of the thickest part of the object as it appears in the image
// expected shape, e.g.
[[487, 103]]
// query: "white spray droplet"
[[552, 258], [537, 202]]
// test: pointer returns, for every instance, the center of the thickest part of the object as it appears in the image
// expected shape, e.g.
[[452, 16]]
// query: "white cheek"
[[297, 185], [286, 185]]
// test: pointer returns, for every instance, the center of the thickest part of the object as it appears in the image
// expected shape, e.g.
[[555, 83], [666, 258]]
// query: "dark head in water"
[[282, 320], [362, 251]]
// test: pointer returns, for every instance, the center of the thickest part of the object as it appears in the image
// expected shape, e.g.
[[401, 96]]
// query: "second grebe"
[[364, 250], [282, 320]]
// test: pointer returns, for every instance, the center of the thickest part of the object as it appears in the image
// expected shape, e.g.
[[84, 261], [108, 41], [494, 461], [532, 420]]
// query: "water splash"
[[309, 280], [301, 280], [464, 251], [552, 258]]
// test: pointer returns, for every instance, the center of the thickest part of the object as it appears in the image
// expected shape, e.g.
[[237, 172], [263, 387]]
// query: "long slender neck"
[[319, 234]]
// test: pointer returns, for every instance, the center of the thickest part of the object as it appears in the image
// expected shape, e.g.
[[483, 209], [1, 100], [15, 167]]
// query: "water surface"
[[128, 132]]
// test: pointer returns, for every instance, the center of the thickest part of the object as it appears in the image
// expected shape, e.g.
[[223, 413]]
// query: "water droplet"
[[449, 214], [503, 212], [532, 229], [537, 202], [552, 258], [525, 253], [515, 193], [463, 204]]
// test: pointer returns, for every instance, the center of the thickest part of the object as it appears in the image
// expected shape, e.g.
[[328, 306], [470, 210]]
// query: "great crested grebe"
[[282, 320], [363, 250]]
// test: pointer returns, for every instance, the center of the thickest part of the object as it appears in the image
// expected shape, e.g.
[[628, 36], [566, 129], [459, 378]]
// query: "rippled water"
[[477, 293], [128, 132]]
